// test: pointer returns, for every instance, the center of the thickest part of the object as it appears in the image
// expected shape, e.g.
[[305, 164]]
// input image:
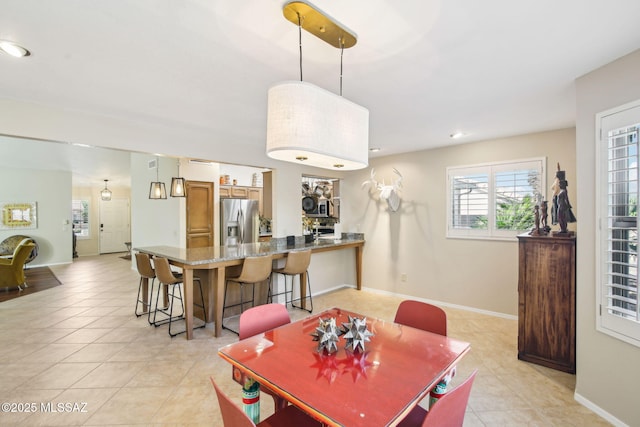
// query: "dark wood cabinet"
[[547, 301]]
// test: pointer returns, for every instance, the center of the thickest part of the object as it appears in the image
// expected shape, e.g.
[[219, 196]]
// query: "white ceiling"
[[423, 68]]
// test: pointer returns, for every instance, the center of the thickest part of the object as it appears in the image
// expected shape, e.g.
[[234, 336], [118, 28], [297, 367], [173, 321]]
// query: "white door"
[[115, 226]]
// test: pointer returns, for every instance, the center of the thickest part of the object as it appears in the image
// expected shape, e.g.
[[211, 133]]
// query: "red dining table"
[[375, 387]]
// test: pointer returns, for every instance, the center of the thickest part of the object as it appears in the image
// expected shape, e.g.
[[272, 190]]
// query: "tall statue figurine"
[[561, 212], [555, 189], [565, 214]]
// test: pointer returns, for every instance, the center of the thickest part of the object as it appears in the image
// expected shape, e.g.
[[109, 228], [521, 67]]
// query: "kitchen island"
[[213, 261]]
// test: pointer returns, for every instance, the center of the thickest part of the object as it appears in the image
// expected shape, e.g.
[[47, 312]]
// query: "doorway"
[[199, 214], [115, 225]]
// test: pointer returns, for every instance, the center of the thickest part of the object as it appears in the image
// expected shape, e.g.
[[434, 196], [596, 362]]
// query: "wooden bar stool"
[[254, 270], [168, 278], [146, 271], [297, 264]]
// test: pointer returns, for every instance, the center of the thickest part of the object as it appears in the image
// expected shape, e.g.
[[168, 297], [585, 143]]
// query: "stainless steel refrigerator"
[[239, 221]]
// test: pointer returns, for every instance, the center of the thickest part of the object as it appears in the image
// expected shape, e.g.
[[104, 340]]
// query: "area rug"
[[38, 279]]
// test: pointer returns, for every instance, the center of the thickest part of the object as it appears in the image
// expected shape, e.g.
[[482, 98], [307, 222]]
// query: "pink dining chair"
[[448, 411], [257, 320], [262, 318], [421, 315], [234, 416]]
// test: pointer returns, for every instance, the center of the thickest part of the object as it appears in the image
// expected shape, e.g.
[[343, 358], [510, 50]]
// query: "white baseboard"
[[598, 410], [443, 304]]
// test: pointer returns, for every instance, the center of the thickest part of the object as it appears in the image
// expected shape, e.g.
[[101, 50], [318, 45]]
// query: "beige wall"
[[607, 368], [474, 273]]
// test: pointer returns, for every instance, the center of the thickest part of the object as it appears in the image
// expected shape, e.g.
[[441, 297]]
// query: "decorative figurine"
[[327, 334], [561, 212], [356, 333], [565, 214], [536, 227], [544, 215]]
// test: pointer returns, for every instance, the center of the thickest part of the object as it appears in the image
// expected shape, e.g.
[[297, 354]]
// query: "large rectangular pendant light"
[[316, 127], [311, 125]]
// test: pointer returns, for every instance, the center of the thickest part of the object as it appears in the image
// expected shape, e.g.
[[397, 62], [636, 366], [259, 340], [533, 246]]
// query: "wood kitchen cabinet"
[[241, 192], [547, 301]]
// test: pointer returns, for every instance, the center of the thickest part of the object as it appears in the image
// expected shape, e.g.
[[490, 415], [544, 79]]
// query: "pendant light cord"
[[300, 42]]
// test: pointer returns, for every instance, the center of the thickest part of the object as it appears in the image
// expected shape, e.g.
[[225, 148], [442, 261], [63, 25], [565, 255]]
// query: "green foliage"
[[513, 214]]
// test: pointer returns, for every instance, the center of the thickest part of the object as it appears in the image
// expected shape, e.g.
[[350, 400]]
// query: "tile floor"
[[80, 343]]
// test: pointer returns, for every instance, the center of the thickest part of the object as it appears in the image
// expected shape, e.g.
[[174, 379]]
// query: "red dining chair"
[[421, 315], [234, 416], [448, 411], [262, 318], [428, 317], [256, 320]]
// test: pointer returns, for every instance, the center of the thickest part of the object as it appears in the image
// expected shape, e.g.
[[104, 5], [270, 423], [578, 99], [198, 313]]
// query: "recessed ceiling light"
[[374, 149], [457, 134], [13, 49]]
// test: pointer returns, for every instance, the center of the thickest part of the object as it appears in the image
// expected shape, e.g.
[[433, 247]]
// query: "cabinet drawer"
[[239, 192]]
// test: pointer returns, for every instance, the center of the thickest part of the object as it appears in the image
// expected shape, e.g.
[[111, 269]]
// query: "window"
[[80, 218], [493, 201], [617, 198]]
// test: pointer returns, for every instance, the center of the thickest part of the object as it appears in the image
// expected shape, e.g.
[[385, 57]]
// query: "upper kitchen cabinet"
[[262, 193]]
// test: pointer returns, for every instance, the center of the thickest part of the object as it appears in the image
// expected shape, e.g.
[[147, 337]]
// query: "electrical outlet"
[[403, 277]]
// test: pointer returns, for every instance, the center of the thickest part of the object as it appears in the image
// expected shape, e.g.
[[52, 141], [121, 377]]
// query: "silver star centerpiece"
[[356, 333], [327, 334]]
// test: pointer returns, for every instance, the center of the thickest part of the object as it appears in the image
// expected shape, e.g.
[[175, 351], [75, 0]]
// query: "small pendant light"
[[157, 189], [106, 193], [177, 185]]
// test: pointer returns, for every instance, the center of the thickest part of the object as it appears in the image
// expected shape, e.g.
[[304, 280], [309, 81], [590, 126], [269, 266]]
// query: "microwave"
[[317, 208]]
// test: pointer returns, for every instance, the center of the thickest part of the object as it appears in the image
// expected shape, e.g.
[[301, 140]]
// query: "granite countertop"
[[197, 256]]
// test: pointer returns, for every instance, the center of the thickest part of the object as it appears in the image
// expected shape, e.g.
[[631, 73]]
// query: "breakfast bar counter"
[[215, 259]]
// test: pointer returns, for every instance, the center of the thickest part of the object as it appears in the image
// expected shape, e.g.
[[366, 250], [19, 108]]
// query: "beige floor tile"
[[85, 335], [121, 335], [161, 373], [513, 418], [59, 376], [13, 375], [134, 352], [95, 352], [189, 405], [54, 352], [132, 406], [110, 374], [75, 322]]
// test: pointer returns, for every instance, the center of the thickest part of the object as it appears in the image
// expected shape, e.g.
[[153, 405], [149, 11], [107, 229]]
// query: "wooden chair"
[[12, 269], [448, 411], [234, 416], [146, 271], [421, 315], [166, 277], [254, 270], [296, 264]]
